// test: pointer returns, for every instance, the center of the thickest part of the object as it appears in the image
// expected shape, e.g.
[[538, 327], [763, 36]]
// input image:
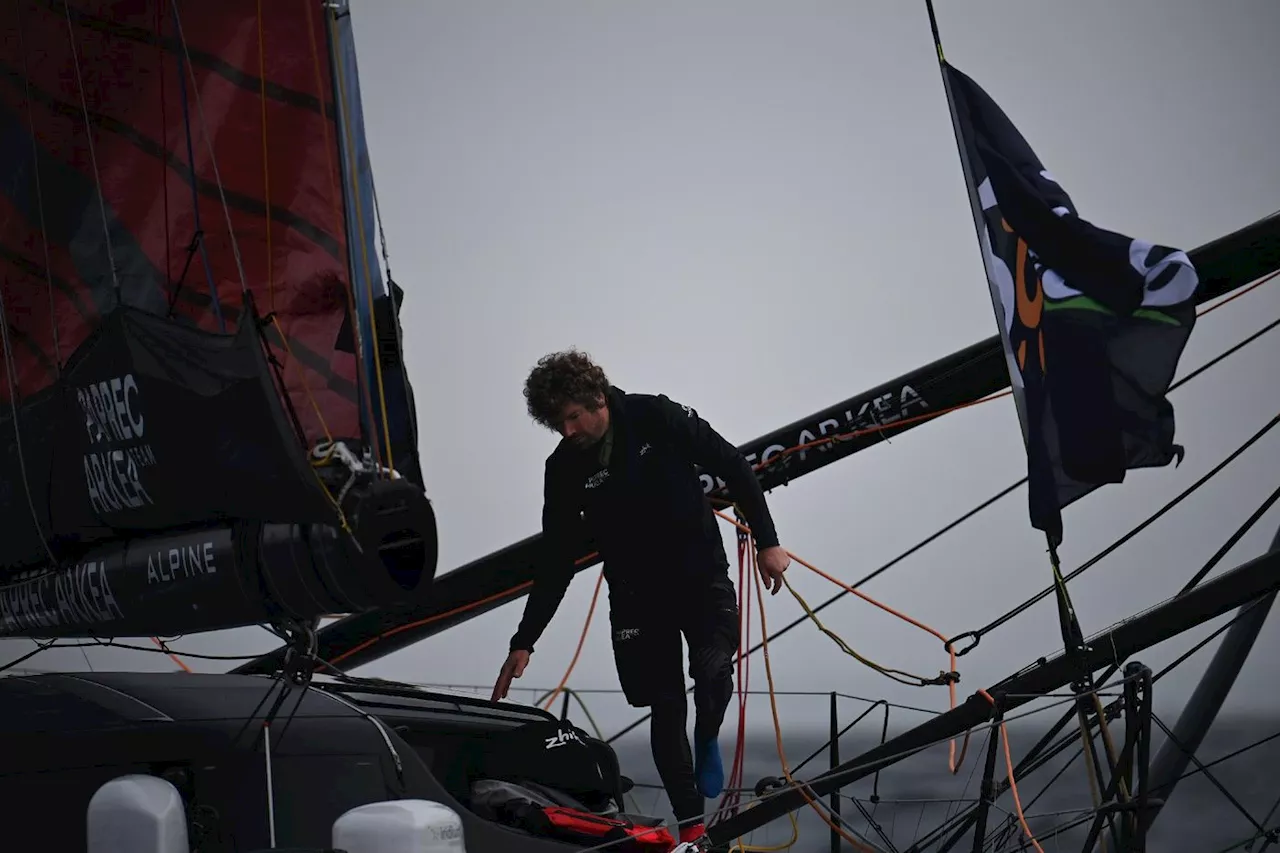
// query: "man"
[[622, 482]]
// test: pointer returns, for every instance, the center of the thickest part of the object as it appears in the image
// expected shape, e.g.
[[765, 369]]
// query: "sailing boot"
[[693, 837], [708, 769]]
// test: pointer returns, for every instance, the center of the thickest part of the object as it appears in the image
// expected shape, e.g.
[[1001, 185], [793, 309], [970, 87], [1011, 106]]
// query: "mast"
[[390, 421]]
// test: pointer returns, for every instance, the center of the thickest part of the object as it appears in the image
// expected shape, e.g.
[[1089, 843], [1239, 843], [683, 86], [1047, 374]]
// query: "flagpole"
[[975, 210], [1072, 635]]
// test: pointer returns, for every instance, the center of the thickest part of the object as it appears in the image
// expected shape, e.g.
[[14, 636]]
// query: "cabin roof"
[[78, 701]]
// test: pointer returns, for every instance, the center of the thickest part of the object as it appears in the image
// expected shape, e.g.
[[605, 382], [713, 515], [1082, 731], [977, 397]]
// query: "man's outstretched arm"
[[561, 542]]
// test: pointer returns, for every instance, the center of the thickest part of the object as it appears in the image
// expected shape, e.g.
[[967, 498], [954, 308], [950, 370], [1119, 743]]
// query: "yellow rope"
[[844, 646]]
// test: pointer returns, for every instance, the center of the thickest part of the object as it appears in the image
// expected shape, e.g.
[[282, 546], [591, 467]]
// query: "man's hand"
[[773, 562], [517, 660]]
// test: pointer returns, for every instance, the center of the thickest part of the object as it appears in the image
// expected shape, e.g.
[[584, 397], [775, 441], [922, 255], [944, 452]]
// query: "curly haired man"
[[622, 481]]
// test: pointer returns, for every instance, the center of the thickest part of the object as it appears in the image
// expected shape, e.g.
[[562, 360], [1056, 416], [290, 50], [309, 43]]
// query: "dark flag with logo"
[[1093, 322]]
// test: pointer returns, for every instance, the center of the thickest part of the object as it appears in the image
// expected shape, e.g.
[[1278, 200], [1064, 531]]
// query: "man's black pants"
[[647, 627]]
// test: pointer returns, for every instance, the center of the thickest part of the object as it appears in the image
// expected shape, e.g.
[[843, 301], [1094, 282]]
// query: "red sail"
[[100, 103]]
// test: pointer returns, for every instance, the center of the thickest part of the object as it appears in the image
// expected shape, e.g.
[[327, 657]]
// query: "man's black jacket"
[[645, 511]]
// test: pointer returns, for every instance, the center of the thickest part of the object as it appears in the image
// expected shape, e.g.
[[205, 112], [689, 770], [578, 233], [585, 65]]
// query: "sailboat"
[[210, 425]]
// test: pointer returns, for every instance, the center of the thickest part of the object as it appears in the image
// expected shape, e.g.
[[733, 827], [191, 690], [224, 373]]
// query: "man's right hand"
[[517, 660]]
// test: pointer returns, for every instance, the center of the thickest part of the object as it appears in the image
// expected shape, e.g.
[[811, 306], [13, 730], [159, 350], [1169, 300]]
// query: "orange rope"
[[582, 639], [953, 762], [1013, 783], [777, 724], [1233, 297], [179, 661], [436, 618]]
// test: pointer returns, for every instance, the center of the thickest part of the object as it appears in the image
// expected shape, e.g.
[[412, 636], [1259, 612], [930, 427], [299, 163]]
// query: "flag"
[[1093, 322]]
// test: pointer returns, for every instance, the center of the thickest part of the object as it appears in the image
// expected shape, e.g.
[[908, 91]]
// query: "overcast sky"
[[757, 209]]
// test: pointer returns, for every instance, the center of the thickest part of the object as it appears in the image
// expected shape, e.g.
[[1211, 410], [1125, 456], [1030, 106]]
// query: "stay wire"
[[1213, 780], [989, 726], [1033, 760], [1158, 514], [1188, 774]]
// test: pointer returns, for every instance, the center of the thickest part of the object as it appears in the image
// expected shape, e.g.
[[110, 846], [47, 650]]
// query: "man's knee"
[[710, 663]]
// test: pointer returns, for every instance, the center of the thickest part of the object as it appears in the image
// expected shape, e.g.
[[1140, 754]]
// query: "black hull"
[[233, 575]]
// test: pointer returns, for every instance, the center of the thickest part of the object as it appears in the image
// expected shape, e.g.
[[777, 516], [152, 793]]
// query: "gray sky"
[[757, 209]]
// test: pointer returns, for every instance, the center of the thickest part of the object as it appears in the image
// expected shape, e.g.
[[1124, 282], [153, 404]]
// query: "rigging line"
[[345, 118], [898, 675], [1233, 297], [1033, 760], [912, 751], [164, 144], [44, 231], [1219, 631], [266, 159], [913, 549], [1029, 763], [93, 157], [777, 724], [1213, 780], [884, 568], [410, 414], [1021, 608], [1029, 759], [197, 238], [1236, 753], [1267, 819], [11, 377], [329, 144], [848, 727], [160, 644], [391, 295], [213, 160], [1233, 540], [1226, 353], [1010, 777], [949, 677]]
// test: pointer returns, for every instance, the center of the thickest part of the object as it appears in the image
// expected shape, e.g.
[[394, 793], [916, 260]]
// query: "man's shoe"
[[692, 832], [708, 769]]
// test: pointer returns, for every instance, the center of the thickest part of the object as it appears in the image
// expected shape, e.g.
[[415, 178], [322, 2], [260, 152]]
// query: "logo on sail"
[[118, 451]]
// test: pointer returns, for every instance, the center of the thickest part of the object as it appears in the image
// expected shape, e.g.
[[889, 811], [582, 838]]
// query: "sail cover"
[[169, 166]]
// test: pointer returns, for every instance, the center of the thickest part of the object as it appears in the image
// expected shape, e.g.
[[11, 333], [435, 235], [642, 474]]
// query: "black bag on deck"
[[555, 754]]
